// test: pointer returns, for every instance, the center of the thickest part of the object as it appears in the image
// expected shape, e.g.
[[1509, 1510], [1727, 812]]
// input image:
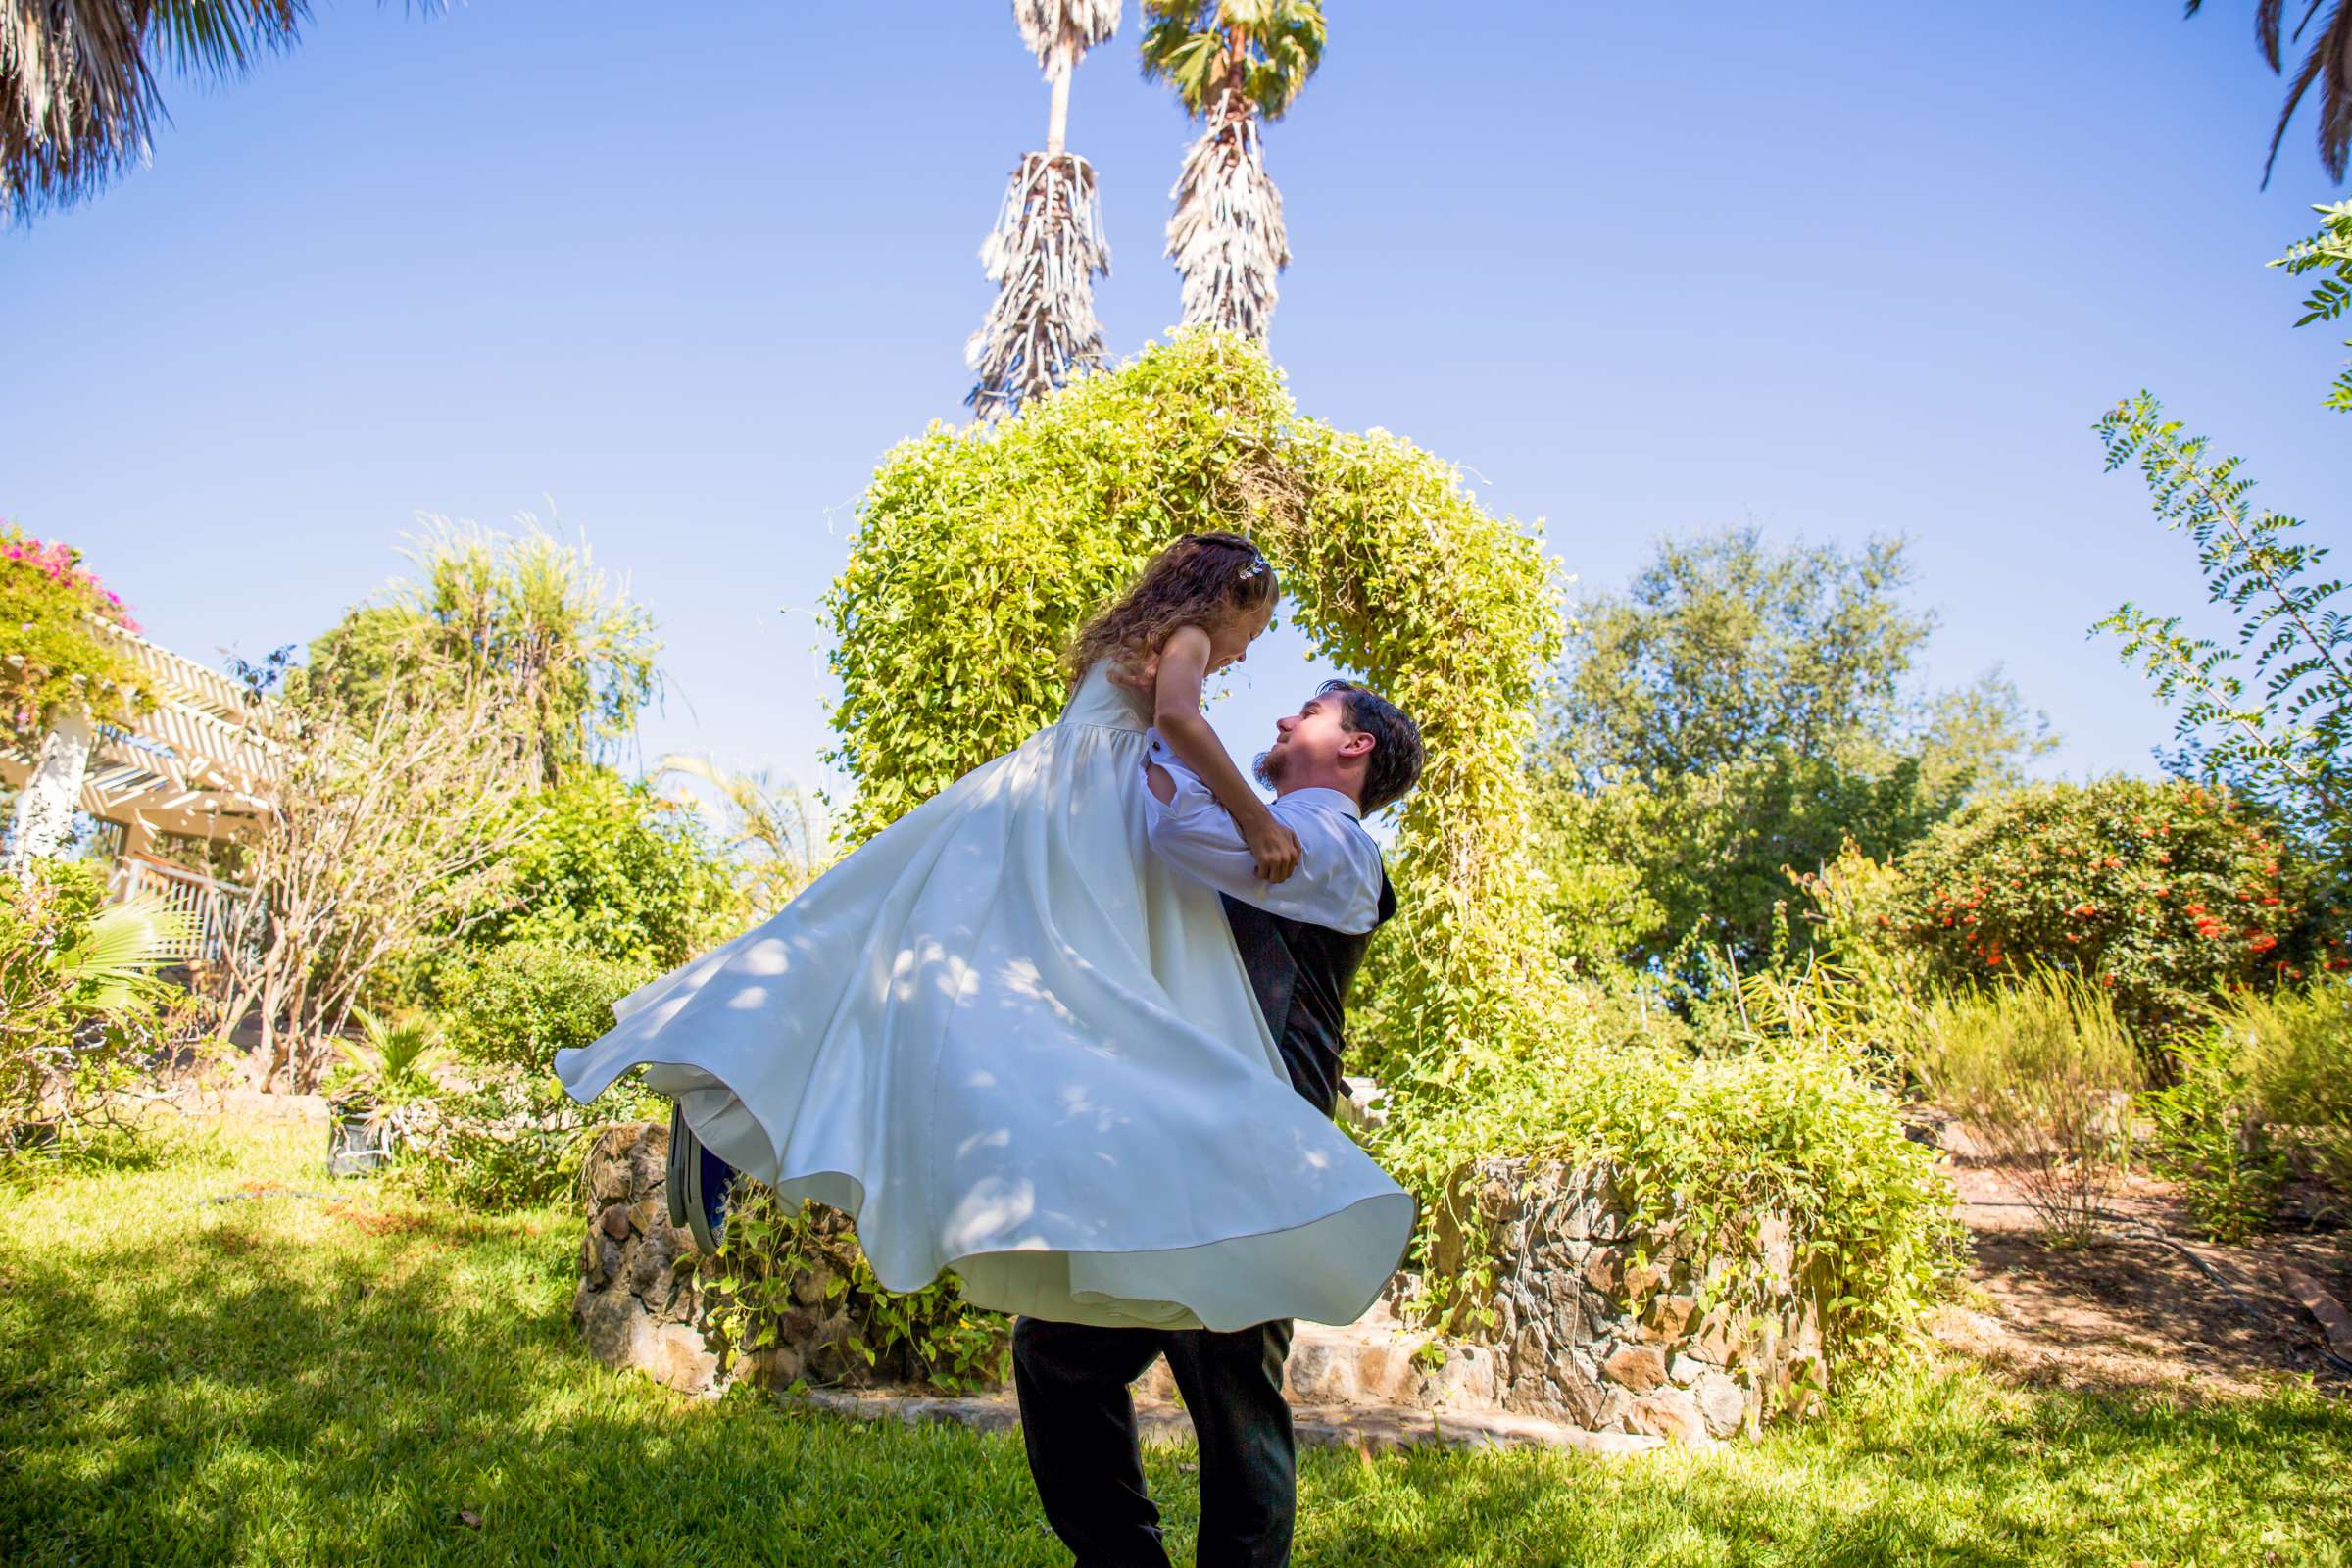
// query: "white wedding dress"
[[1011, 1041]]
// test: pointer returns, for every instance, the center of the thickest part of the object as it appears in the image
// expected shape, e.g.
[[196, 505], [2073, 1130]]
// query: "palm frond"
[[777, 833], [2328, 64], [80, 95], [1226, 237], [1074, 24], [1044, 254], [1262, 49], [112, 965]]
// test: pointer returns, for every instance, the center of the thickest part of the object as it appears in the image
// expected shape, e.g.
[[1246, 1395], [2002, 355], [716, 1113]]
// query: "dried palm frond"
[[1044, 254], [2330, 64], [1226, 237], [78, 89], [1073, 25]]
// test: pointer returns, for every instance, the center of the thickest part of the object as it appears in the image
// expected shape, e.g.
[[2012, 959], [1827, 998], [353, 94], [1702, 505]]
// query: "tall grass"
[[2296, 1049], [2044, 1072]]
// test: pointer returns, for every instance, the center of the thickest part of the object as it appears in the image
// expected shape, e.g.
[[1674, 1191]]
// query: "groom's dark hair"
[[1394, 766]]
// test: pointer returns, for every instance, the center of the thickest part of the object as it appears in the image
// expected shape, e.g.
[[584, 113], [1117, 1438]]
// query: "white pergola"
[[197, 763]]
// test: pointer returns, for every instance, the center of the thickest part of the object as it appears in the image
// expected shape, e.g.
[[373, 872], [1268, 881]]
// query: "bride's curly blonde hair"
[[1197, 582]]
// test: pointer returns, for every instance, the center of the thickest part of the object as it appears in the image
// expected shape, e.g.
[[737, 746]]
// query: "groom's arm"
[[1338, 880]]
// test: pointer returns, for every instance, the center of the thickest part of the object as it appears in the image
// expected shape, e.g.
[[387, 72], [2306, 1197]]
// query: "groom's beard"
[[1266, 770]]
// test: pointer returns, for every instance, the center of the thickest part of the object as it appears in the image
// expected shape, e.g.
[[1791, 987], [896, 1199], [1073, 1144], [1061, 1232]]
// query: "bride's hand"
[[1273, 847]]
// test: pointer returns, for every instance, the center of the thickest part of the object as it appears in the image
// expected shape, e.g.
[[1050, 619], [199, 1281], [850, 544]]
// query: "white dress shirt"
[[1337, 883]]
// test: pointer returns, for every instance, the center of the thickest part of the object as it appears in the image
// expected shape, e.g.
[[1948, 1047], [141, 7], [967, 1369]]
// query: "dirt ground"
[[2131, 1313]]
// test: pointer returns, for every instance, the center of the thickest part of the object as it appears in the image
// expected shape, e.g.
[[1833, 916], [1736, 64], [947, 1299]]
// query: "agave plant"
[[1234, 64], [2330, 64], [1046, 247]]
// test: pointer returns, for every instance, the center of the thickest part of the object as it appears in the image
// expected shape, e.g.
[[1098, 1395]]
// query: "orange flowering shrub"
[[2168, 892]]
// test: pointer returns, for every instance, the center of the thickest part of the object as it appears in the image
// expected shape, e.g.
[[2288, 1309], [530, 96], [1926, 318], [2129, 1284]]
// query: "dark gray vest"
[[1301, 973]]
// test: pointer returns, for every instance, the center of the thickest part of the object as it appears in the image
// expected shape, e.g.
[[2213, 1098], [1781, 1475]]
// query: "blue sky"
[[1835, 270]]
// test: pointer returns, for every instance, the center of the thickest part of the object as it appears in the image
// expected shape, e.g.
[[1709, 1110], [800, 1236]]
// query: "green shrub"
[[2296, 1044], [2167, 892], [2040, 1069], [516, 1004], [1706, 1148], [2211, 1137], [610, 869], [931, 1336], [515, 1137], [85, 1022]]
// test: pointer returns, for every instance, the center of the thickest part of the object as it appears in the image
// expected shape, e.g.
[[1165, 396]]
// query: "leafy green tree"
[[608, 867], [2329, 251], [571, 653], [1742, 710]]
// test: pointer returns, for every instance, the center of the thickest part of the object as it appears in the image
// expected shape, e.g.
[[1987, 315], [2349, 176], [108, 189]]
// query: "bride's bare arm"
[[1176, 713]]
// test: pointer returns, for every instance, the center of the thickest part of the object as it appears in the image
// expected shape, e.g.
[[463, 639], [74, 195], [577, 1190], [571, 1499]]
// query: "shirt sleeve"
[[1338, 880]]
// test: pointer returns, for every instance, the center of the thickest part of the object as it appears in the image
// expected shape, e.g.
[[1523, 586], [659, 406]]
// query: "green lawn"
[[286, 1380]]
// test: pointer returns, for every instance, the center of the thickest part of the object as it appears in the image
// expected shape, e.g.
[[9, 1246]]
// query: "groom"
[[1346, 753]]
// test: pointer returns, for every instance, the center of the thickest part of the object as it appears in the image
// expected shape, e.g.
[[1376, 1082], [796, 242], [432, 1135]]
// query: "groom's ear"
[[1359, 743]]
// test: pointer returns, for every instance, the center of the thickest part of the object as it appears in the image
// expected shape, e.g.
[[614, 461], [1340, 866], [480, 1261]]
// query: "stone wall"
[[638, 1300], [641, 1302], [1587, 1330], [1584, 1330]]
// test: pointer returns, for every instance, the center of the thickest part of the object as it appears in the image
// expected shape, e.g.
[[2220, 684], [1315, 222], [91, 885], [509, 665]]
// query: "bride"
[[1007, 1040]]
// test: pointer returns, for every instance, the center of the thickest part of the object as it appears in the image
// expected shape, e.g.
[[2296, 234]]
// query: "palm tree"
[[78, 93], [1046, 247], [2330, 64], [1233, 64], [777, 833]]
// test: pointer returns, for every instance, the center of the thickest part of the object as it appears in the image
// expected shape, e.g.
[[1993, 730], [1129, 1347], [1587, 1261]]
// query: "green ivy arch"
[[979, 550]]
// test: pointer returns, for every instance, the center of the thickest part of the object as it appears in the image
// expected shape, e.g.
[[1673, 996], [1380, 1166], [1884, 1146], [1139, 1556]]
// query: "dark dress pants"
[[1078, 1422]]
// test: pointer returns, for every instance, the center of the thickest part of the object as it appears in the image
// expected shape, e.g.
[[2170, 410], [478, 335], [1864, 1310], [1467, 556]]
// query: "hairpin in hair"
[[1257, 564]]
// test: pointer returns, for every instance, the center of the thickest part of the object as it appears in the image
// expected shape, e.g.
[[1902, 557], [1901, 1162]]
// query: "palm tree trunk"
[[1057, 118]]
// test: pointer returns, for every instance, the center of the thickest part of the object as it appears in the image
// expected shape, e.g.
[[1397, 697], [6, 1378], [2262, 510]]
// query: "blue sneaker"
[[699, 1183]]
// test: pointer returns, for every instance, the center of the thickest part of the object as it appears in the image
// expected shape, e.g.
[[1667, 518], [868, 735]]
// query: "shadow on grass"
[[264, 1382]]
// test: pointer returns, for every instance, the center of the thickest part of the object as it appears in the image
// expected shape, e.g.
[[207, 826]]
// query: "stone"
[[649, 1163], [1671, 1413], [1529, 1349], [593, 1271], [1466, 1378], [1578, 1395], [615, 1222], [1683, 1369], [1670, 1315], [809, 1286], [677, 1356], [650, 1262], [609, 1168], [650, 1216], [1605, 1270], [1721, 1404], [1642, 1278], [1638, 1367], [1718, 1341], [613, 1323]]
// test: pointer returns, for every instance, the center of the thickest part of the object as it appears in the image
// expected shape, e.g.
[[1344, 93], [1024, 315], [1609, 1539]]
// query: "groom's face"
[[1310, 745]]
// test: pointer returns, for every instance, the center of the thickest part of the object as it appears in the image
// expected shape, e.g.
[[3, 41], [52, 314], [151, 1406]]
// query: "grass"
[[284, 1379]]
